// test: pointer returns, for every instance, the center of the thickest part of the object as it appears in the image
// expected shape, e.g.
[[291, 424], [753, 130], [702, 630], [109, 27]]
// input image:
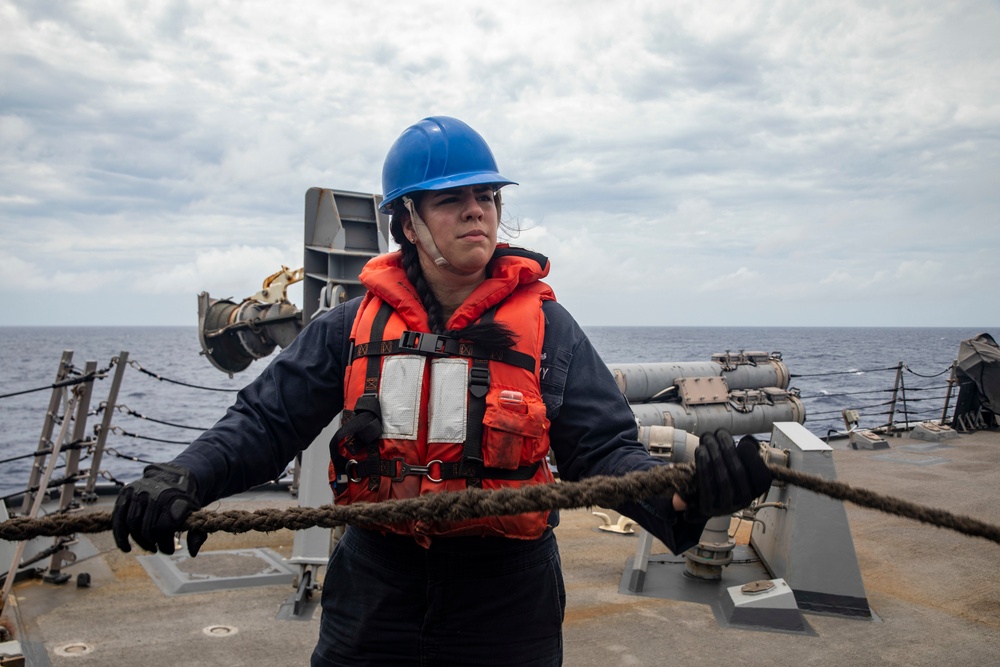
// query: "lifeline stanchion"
[[603, 491], [102, 429], [61, 553], [37, 500], [48, 426]]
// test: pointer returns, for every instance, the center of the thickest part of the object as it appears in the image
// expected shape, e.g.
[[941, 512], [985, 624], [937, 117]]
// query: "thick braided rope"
[[449, 506], [934, 516], [475, 503]]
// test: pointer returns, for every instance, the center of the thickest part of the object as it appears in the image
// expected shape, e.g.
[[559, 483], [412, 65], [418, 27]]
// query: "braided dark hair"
[[415, 274]]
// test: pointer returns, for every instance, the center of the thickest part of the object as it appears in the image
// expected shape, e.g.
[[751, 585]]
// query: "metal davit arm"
[[233, 335]]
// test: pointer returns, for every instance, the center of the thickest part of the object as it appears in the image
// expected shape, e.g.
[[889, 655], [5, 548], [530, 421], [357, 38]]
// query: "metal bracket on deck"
[[303, 592], [801, 544], [809, 544]]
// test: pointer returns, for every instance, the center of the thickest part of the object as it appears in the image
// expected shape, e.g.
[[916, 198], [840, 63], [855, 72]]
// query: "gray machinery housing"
[[804, 537], [343, 230]]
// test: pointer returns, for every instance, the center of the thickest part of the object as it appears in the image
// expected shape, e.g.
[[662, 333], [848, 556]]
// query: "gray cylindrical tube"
[[641, 382], [701, 419], [673, 444]]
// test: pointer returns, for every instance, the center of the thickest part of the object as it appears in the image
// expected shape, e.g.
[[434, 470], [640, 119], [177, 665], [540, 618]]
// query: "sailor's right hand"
[[153, 509], [727, 478]]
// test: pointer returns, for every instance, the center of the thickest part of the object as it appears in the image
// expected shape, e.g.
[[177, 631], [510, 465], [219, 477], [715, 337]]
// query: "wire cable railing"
[[70, 379]]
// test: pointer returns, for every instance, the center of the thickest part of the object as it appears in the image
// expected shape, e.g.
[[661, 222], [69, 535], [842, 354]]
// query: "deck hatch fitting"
[[220, 631]]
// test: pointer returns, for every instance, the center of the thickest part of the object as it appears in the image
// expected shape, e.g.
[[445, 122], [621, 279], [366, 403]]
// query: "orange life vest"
[[425, 413]]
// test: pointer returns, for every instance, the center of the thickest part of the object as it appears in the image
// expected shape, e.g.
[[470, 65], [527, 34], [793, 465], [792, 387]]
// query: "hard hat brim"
[[444, 183]]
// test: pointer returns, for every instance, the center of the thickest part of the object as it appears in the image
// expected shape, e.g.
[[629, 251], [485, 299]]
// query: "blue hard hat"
[[435, 154]]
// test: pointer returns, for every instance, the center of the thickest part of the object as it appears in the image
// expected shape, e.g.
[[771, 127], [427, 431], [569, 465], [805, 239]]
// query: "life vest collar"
[[385, 277]]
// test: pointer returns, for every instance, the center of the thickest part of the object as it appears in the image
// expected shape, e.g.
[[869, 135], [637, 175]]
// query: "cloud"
[[736, 281], [231, 272], [58, 283], [828, 150]]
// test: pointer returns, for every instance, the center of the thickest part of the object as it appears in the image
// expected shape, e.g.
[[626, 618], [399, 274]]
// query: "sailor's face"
[[463, 222]]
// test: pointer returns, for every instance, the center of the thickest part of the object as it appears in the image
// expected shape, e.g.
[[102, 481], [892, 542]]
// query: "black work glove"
[[727, 478], [153, 508]]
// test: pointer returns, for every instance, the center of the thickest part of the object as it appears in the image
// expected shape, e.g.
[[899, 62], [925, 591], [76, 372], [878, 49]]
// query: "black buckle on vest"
[[479, 381], [405, 469], [423, 343]]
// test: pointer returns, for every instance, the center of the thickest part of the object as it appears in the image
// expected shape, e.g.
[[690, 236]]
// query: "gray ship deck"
[[935, 593]]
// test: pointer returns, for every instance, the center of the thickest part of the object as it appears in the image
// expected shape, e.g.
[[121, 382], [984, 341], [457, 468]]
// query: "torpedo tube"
[[742, 393]]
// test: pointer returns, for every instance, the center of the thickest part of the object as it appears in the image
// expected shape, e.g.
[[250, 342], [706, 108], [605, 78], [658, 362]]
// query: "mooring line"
[[934, 516], [604, 491]]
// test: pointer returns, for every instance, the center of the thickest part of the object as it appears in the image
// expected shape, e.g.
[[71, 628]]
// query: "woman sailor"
[[457, 369]]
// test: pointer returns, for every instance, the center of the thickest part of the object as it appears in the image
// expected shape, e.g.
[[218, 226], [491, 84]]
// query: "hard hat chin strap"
[[424, 234]]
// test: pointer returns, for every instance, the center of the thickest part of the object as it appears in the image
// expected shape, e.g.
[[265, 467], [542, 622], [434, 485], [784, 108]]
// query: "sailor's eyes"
[[483, 198]]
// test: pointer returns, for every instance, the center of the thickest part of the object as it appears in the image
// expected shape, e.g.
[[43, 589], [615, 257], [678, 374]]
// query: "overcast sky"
[[819, 163]]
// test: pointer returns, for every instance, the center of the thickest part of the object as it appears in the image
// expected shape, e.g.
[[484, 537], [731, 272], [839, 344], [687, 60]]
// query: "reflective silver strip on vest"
[[449, 401], [399, 395]]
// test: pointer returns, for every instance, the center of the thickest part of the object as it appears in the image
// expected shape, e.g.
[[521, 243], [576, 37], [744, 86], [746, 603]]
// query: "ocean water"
[[833, 369]]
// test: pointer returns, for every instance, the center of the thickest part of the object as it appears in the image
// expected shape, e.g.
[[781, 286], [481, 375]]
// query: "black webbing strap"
[[374, 368], [416, 342], [436, 471], [479, 386], [373, 373], [362, 426]]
